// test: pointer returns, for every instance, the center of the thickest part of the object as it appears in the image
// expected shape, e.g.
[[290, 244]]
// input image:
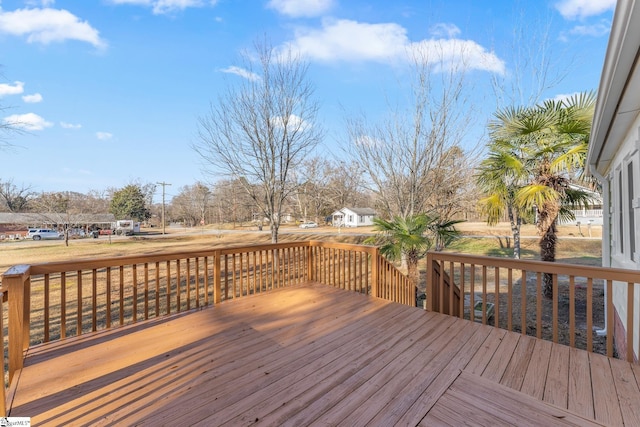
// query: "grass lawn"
[[571, 249]]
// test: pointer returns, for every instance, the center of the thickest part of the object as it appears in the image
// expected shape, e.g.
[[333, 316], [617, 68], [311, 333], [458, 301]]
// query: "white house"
[[353, 217], [614, 159]]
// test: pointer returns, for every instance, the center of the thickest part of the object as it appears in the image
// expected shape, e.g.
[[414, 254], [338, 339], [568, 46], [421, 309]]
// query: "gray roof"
[[362, 211], [36, 218]]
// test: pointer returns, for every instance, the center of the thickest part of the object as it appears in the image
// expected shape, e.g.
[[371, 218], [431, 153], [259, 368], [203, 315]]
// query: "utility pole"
[[164, 184]]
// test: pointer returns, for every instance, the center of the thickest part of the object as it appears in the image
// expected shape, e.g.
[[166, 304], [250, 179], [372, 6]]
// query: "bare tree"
[[14, 198], [258, 130], [192, 203], [344, 187], [398, 154]]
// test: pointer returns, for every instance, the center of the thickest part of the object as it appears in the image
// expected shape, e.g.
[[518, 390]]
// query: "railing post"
[[217, 287], [375, 271], [310, 261], [429, 288], [16, 282]]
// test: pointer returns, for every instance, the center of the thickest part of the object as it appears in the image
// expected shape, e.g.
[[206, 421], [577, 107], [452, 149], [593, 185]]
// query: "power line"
[[164, 184]]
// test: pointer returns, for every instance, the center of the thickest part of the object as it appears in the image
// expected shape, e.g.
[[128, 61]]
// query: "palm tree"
[[554, 137], [501, 175], [408, 239]]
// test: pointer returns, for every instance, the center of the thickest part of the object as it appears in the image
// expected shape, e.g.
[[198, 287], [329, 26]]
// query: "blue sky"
[[109, 91]]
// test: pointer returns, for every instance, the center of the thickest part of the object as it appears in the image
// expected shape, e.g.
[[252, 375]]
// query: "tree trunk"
[[548, 253], [274, 233], [516, 223], [412, 272]]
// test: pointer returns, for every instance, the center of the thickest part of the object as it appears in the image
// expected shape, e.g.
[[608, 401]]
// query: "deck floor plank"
[[627, 388], [483, 356], [502, 357], [409, 407], [513, 376], [580, 396], [536, 376], [605, 404], [557, 383], [314, 354], [479, 398]]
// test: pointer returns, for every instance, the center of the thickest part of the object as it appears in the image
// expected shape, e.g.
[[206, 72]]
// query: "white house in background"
[[614, 159], [353, 217]]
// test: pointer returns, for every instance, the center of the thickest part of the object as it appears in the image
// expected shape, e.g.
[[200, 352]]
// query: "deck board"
[[316, 355]]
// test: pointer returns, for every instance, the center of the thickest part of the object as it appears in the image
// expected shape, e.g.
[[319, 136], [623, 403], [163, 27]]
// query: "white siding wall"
[[624, 211]]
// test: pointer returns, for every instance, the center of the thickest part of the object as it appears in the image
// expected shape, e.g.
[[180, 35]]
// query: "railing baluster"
[[94, 300], [509, 299], [196, 276], [590, 314], [462, 285], [157, 288], [79, 303], [134, 288], [63, 304], [121, 283], [572, 312], [496, 297], [168, 286], [451, 286], [108, 303], [523, 303], [178, 286], [539, 305], [484, 294], [472, 292], [187, 279], [554, 282], [146, 291], [47, 308]]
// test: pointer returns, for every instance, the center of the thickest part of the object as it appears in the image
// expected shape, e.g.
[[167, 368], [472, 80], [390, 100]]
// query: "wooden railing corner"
[[16, 281]]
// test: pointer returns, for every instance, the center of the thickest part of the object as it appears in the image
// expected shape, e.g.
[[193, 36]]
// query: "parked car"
[[308, 224], [43, 234]]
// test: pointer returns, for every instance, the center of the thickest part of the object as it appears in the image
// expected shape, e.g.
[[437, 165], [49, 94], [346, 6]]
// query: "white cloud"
[[48, 25], [574, 9], [160, 7], [32, 99], [241, 72], [104, 136], [15, 89], [595, 30], [294, 122], [298, 8], [561, 97], [352, 41], [444, 30], [43, 3], [66, 125], [29, 121]]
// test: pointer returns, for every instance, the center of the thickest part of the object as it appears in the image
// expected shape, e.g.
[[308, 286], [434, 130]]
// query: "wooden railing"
[[53, 301], [508, 293]]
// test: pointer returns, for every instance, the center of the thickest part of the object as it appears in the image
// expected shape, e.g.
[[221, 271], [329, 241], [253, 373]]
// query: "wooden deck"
[[316, 355]]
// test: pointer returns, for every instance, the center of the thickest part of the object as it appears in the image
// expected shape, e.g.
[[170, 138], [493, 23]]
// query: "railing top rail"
[[347, 246], [605, 273], [85, 264]]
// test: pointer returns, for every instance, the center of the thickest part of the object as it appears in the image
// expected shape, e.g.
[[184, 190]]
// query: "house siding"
[[623, 181]]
